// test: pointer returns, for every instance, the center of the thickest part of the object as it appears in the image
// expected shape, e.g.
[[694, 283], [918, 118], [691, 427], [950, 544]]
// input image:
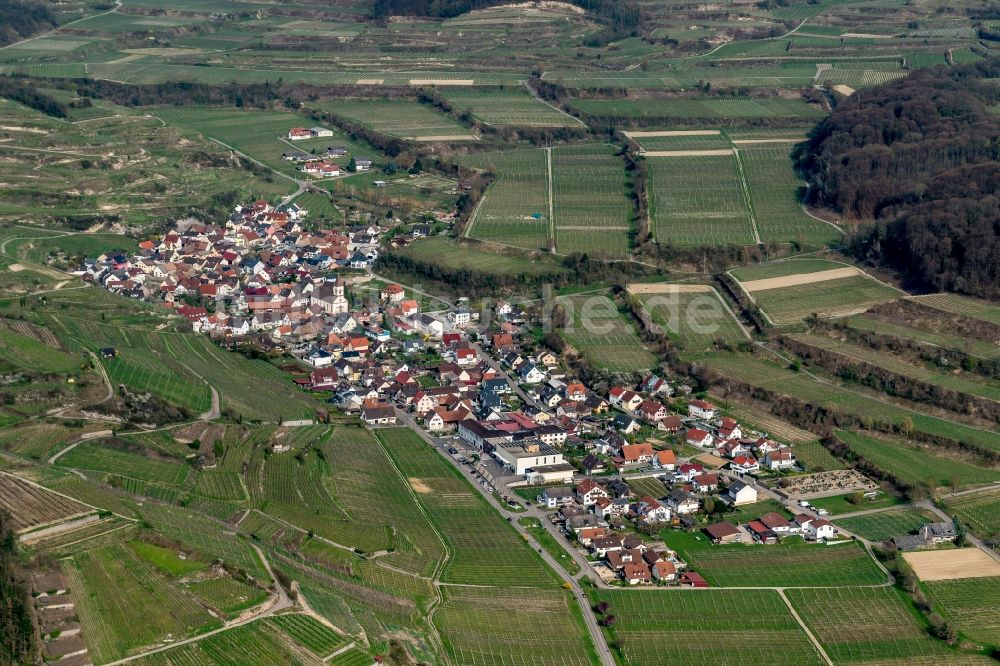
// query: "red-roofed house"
[[637, 454], [635, 573], [698, 437], [664, 571], [588, 492], [701, 409], [665, 460]]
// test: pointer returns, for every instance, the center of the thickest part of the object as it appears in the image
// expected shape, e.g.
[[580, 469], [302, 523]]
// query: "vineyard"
[[591, 205], [599, 332], [979, 511], [507, 107], [30, 505]]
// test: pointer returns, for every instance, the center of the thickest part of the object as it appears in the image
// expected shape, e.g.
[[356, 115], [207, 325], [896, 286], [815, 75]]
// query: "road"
[[596, 635], [927, 504], [503, 373]]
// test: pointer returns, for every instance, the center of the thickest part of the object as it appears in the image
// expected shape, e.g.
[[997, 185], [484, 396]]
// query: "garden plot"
[[591, 206], [598, 331], [655, 627]]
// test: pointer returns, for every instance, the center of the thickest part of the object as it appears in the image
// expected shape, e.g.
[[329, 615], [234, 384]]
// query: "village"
[[605, 473]]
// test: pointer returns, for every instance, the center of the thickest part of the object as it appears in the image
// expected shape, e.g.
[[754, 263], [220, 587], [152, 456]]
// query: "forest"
[[22, 19], [918, 160], [17, 632]]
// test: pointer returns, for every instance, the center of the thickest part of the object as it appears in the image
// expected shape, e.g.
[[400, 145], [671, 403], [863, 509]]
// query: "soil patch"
[[420, 486], [801, 278], [667, 288], [951, 564]]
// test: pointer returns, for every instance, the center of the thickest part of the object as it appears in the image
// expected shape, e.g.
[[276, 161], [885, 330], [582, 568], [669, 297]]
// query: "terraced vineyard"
[[829, 298], [30, 505], [962, 305], [766, 374]]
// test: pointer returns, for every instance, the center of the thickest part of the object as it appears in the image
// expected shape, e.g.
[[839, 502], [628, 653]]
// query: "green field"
[[979, 511], [109, 584], [785, 267], [600, 332], [827, 298], [405, 119], [259, 134], [869, 625], [546, 629], [792, 563], [766, 374], [971, 604], [95, 457], [683, 108], [697, 200], [705, 626], [710, 140], [967, 383], [920, 465], [515, 209], [695, 319], [919, 333], [507, 107], [446, 252], [887, 524], [962, 305], [591, 205]]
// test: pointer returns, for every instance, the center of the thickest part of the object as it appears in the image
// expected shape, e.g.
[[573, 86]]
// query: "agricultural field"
[[404, 119], [967, 383], [980, 512], [786, 267], [867, 625], [507, 107], [596, 329], [766, 374], [918, 332], [97, 456], [970, 604], [30, 506], [546, 629], [792, 563], [479, 258], [30, 354], [836, 292], [110, 583], [515, 209], [671, 141], [259, 134], [698, 200], [887, 524], [591, 206], [308, 631], [682, 109], [655, 627], [920, 465], [775, 192], [481, 547], [695, 316], [961, 305]]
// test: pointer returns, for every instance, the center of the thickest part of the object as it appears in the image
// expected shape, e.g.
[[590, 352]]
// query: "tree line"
[[17, 630], [918, 161], [20, 19]]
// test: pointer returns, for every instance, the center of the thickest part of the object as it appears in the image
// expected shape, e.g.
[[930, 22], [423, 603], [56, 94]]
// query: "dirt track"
[[667, 288], [442, 82], [801, 278], [687, 153], [952, 564]]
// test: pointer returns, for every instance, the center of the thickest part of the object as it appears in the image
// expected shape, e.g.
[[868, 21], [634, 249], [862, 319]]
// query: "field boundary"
[[747, 194]]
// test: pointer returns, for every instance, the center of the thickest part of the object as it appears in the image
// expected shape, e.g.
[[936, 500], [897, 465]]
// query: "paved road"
[[927, 504], [596, 635]]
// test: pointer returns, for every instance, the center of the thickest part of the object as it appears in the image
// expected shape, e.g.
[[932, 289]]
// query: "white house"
[[783, 458], [745, 465], [588, 492], [818, 529], [742, 493], [530, 374], [701, 409]]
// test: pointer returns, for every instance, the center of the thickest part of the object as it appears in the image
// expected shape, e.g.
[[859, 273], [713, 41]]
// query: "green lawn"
[[549, 543]]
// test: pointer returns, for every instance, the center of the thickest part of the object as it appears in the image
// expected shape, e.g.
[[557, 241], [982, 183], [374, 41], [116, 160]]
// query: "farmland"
[[967, 383], [479, 258], [980, 512], [766, 374], [507, 107], [887, 524], [962, 305], [700, 108], [600, 332], [970, 604], [682, 627], [404, 119], [858, 625], [695, 317], [515, 209], [826, 298], [253, 643], [30, 505], [591, 206], [919, 465], [545, 630], [792, 563]]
